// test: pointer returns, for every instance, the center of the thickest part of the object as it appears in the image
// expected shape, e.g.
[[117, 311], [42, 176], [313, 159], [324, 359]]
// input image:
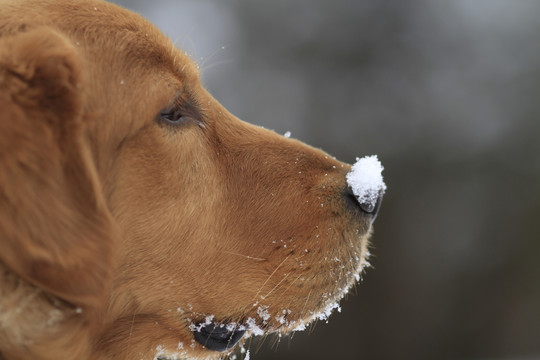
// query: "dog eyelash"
[[181, 112]]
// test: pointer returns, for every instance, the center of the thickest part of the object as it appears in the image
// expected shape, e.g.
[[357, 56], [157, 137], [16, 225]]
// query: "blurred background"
[[447, 93]]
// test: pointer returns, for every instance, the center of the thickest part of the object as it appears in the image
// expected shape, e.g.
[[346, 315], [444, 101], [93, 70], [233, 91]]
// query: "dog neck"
[[30, 319]]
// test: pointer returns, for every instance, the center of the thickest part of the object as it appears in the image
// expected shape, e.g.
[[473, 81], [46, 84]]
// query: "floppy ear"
[[55, 229]]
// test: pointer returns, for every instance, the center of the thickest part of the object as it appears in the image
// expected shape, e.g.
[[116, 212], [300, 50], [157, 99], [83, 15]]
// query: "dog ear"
[[55, 228]]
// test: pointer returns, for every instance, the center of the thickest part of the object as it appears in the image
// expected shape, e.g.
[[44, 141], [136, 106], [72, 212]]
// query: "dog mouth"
[[295, 313], [222, 336]]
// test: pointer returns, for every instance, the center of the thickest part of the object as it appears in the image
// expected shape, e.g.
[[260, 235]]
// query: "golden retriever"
[[138, 218]]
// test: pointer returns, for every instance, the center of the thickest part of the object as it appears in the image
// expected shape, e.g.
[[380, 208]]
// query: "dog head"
[[161, 222]]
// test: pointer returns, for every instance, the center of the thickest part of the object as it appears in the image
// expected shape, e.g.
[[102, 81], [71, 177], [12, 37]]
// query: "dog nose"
[[366, 184], [367, 206]]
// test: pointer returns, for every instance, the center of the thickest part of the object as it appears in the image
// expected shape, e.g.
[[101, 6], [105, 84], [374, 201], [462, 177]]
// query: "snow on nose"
[[366, 181]]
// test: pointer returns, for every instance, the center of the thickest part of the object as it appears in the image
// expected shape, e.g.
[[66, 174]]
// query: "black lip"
[[217, 337]]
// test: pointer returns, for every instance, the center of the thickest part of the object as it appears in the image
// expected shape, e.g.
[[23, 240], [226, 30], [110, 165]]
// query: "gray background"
[[447, 94]]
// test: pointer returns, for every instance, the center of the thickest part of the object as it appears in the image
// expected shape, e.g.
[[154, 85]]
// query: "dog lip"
[[218, 337]]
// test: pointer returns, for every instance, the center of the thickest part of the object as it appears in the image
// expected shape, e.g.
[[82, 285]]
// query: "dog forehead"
[[129, 38], [105, 31]]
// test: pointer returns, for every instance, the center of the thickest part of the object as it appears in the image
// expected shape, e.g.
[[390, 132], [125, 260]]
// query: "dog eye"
[[184, 110], [173, 116]]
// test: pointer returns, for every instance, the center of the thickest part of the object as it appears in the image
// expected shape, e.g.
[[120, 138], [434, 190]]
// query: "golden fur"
[[117, 229]]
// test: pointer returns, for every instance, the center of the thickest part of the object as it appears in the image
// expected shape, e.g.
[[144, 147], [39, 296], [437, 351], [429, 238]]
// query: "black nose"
[[368, 207], [218, 337]]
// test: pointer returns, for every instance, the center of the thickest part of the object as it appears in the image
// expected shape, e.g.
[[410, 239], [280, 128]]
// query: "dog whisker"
[[292, 283], [304, 307], [246, 256], [277, 285], [210, 57], [288, 287], [216, 64], [269, 277]]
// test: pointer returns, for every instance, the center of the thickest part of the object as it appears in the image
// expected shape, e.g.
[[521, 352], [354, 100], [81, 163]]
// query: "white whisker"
[[215, 64], [304, 307], [212, 55], [246, 256], [277, 285], [272, 274]]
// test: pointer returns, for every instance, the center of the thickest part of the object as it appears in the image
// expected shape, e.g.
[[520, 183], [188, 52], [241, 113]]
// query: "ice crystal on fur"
[[365, 179], [253, 327], [163, 354], [327, 311], [300, 327], [262, 311], [281, 317], [160, 351], [207, 321]]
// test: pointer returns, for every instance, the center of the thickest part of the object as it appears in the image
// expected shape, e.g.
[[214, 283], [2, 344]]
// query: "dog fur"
[[118, 228]]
